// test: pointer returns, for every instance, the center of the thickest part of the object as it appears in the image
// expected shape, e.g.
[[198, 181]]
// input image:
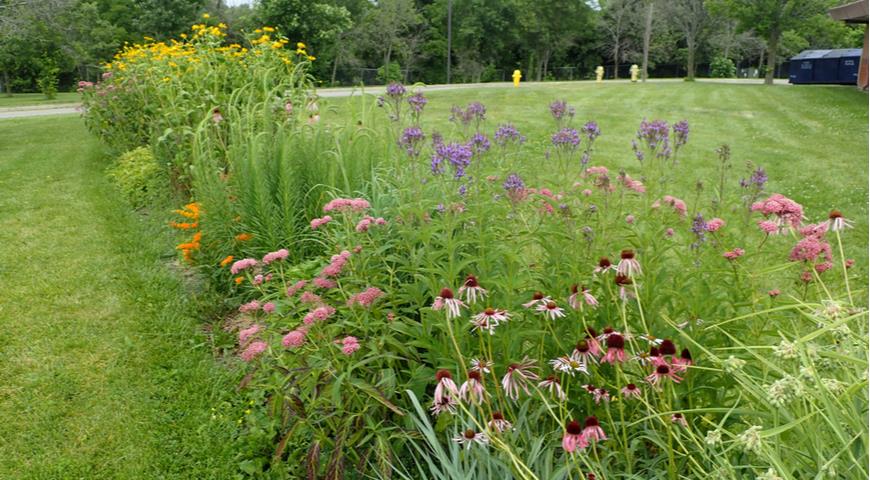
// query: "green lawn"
[[106, 374], [36, 99], [812, 140]]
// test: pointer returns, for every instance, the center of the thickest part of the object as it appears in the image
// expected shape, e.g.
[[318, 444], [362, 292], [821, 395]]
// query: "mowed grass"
[[811, 140], [36, 99], [105, 371]]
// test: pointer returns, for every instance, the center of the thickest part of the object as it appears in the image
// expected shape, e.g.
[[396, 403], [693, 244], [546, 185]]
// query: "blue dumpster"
[[801, 67], [849, 61]]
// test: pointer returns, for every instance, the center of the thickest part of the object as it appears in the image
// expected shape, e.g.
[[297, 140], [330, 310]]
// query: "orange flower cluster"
[[190, 211]]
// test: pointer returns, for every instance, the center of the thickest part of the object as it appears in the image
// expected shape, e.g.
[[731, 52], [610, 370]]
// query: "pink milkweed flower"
[[573, 438], [629, 219], [850, 262], [597, 171], [669, 232], [489, 319], [349, 345], [734, 254], [537, 299], [336, 264], [836, 221], [615, 349], [470, 289], [715, 224], [678, 205], [324, 283], [368, 221], [809, 249], [592, 430], [275, 256], [806, 277], [551, 310], [293, 289], [823, 267], [680, 420], [242, 264], [774, 293], [319, 314], [347, 205], [583, 352], [787, 212], [601, 394], [661, 372], [294, 339], [258, 280], [470, 437], [586, 192], [630, 391], [446, 299], [498, 423], [768, 227], [576, 293], [445, 387], [553, 385], [569, 364], [253, 350], [628, 266], [517, 377], [683, 362], [472, 390], [482, 366], [269, 307], [251, 306], [308, 297], [246, 334], [365, 298], [814, 230], [319, 222]]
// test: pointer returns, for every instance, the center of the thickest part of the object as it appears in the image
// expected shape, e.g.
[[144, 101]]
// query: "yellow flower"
[[300, 46], [268, 29], [205, 15], [277, 45], [311, 58]]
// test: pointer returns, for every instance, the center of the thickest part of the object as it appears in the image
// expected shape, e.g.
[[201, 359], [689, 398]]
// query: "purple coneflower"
[[628, 265], [630, 391], [472, 390], [667, 347], [576, 293], [615, 349], [573, 438], [836, 221], [552, 384], [624, 293], [446, 387], [683, 362], [482, 366], [680, 420], [489, 319], [592, 340], [517, 377], [601, 394], [498, 423], [446, 299], [470, 289], [569, 364], [661, 372], [583, 352], [604, 265], [537, 299], [592, 430], [470, 437], [551, 310]]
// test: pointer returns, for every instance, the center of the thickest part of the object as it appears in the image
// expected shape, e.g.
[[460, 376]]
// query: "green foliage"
[[722, 67], [391, 73], [48, 78], [140, 178]]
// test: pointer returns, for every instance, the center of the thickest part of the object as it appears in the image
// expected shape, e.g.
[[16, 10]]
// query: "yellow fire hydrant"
[[599, 74], [634, 71], [517, 76]]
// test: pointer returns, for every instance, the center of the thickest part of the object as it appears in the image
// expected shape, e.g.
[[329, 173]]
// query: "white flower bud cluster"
[[786, 350], [733, 364], [750, 439], [784, 391], [770, 474]]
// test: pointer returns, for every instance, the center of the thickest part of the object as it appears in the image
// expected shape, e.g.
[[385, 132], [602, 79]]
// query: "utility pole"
[[449, 35]]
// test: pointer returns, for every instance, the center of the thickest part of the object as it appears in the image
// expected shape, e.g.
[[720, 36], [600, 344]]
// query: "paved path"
[[71, 108]]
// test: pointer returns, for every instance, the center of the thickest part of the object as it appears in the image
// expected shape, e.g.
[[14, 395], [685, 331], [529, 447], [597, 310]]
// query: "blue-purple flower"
[[507, 133], [560, 109], [566, 138], [456, 154], [411, 140], [591, 131], [395, 90], [479, 143], [417, 102], [681, 133]]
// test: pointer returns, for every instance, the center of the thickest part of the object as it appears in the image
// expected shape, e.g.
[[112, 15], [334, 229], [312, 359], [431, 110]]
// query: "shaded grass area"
[[37, 99], [811, 141], [105, 371]]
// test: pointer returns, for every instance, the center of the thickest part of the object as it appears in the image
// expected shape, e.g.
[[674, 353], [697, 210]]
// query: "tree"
[[691, 18], [387, 26], [315, 23], [615, 22], [552, 26], [647, 36], [770, 19]]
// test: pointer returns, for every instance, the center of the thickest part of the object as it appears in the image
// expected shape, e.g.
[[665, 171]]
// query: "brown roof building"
[[855, 12]]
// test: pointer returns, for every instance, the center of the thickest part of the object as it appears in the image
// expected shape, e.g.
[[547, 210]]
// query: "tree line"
[[43, 42]]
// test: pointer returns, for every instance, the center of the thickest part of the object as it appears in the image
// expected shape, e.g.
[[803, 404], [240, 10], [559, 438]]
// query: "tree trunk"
[[6, 88], [772, 45], [647, 35], [334, 71], [690, 63], [616, 62], [546, 62]]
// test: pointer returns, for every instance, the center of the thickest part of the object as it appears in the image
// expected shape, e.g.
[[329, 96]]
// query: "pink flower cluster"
[[319, 222], [678, 205], [269, 307], [365, 298], [336, 264], [308, 297], [787, 211], [349, 345], [293, 289], [254, 350], [347, 205], [242, 264], [734, 254], [714, 224], [275, 256], [325, 283], [296, 338], [809, 249], [251, 306], [246, 334], [367, 221], [631, 184], [319, 314]]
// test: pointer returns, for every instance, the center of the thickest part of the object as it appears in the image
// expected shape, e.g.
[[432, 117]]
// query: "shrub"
[[140, 178], [48, 78], [390, 73], [722, 67]]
